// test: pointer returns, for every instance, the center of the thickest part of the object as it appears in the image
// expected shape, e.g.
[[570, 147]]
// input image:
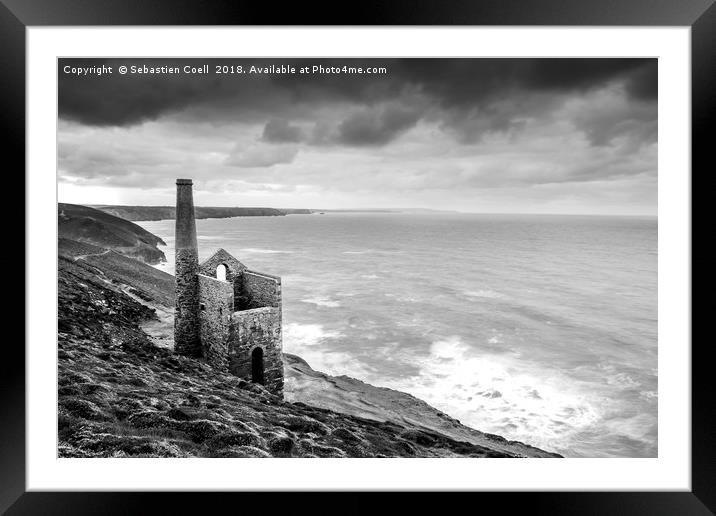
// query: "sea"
[[538, 328]]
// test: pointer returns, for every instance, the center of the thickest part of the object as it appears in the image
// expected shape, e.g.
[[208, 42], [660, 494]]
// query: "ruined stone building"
[[224, 312]]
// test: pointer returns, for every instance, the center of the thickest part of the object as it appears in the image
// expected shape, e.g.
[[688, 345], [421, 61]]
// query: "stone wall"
[[216, 304], [186, 310], [259, 327], [261, 289]]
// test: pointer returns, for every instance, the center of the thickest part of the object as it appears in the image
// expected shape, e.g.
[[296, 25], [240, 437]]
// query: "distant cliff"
[[297, 211], [168, 212], [91, 226]]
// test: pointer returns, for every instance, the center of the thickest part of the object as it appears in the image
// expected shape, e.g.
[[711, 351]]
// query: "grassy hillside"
[[145, 282], [91, 226]]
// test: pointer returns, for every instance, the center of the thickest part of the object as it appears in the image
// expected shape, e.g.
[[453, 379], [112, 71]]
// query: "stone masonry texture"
[[216, 304], [186, 313], [260, 327], [234, 273], [261, 289]]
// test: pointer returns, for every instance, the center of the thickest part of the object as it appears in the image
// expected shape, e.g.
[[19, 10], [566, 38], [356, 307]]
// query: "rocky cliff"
[[351, 396]]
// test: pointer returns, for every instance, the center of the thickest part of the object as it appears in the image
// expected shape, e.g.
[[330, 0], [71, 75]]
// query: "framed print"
[[437, 250]]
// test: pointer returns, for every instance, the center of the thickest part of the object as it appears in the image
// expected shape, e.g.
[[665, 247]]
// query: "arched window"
[[221, 272], [257, 366]]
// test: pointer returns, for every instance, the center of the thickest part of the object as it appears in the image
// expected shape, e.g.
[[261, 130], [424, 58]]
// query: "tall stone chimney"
[[186, 311]]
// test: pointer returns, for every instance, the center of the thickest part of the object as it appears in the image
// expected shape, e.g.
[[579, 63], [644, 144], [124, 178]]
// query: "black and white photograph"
[[357, 257]]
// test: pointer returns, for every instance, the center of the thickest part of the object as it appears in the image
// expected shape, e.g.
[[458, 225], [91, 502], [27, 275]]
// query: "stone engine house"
[[224, 312]]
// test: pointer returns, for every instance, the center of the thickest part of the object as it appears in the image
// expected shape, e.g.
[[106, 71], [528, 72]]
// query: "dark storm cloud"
[[121, 100], [470, 82], [450, 83], [643, 81], [376, 127], [635, 123], [366, 127], [118, 100], [281, 131], [584, 74]]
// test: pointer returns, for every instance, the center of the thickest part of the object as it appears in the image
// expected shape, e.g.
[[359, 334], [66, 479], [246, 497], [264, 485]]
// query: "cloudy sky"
[[474, 135]]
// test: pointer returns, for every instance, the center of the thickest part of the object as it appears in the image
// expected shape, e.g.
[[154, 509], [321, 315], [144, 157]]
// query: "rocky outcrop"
[[351, 396]]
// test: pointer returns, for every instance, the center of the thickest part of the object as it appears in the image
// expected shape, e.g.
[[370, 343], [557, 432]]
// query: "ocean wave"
[[321, 301], [649, 395], [403, 299], [336, 362], [623, 380], [489, 294], [500, 394], [297, 335]]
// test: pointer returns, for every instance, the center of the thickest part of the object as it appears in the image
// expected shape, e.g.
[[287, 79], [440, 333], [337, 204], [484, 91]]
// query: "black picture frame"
[[17, 15]]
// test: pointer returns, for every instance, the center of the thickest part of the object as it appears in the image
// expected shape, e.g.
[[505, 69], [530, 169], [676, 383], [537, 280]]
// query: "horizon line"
[[393, 209]]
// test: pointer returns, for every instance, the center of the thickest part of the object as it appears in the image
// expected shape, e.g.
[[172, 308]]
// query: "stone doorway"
[[257, 366]]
